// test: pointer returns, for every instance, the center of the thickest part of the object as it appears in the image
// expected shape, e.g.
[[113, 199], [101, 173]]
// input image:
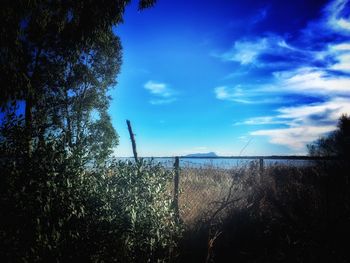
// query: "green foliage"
[[144, 189], [53, 210], [58, 59], [336, 143], [59, 200]]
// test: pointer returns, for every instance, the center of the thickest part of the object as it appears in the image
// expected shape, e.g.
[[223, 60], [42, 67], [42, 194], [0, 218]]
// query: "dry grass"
[[202, 189], [290, 214]]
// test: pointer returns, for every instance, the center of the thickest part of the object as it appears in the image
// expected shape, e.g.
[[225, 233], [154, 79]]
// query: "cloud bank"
[[315, 63]]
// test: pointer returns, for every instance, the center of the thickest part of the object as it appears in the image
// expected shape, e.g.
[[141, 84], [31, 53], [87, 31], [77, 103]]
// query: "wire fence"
[[202, 184]]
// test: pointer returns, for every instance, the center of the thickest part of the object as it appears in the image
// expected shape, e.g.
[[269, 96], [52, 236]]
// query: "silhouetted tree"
[[337, 143], [57, 60]]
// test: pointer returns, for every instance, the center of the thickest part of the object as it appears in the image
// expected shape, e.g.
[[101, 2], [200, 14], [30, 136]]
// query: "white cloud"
[[311, 81], [243, 95], [294, 138], [261, 121], [340, 47], [328, 111], [249, 52], [313, 70], [232, 94], [334, 17], [334, 20], [224, 92], [302, 80], [306, 122], [162, 94], [341, 55], [246, 52], [306, 81], [158, 88], [343, 64]]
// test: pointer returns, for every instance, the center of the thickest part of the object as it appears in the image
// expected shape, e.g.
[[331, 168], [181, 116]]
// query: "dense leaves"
[[57, 61], [337, 143], [61, 198], [53, 210]]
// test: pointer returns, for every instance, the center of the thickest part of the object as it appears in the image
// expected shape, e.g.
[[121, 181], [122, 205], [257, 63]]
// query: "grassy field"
[[285, 214], [202, 188]]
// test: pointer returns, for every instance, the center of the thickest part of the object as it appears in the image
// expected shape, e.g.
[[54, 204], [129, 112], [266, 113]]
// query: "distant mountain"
[[210, 154]]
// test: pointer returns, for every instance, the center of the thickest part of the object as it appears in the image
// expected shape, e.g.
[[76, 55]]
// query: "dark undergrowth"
[[55, 210], [292, 215]]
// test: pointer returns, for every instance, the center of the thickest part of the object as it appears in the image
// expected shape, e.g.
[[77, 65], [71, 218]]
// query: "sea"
[[221, 163]]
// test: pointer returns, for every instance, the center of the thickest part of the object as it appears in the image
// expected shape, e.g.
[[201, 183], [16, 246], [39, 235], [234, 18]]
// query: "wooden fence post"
[[176, 187], [132, 138], [261, 168]]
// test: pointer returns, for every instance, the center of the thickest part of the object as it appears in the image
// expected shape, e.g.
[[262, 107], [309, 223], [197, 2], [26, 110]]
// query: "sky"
[[231, 77]]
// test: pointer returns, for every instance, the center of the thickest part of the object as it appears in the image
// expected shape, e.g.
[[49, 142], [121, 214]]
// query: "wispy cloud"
[[271, 51], [312, 64], [310, 80], [304, 81], [158, 89], [160, 92], [317, 113], [335, 17], [309, 48], [261, 121], [246, 52], [295, 138], [341, 54], [232, 94], [243, 95], [306, 123]]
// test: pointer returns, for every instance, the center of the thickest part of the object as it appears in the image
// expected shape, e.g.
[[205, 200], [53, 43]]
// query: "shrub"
[[55, 210]]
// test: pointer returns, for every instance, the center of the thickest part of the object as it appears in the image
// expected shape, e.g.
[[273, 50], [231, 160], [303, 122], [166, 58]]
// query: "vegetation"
[[336, 144], [62, 198], [58, 60], [291, 214], [285, 214], [52, 210]]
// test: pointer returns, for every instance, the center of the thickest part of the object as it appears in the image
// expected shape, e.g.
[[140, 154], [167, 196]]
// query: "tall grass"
[[286, 214]]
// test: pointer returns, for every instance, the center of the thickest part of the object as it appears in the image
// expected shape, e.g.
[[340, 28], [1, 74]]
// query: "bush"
[[55, 210], [336, 143]]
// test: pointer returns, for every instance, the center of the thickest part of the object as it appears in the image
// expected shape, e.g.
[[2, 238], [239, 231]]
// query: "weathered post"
[[176, 188], [132, 138], [261, 168]]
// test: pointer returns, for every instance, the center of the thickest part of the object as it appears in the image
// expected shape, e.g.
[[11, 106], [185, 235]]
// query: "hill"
[[209, 154]]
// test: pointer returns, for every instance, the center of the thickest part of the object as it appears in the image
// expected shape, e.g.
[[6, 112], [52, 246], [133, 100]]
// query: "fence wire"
[[204, 186]]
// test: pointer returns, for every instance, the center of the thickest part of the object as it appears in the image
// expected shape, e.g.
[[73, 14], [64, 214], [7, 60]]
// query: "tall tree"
[[58, 59], [336, 144]]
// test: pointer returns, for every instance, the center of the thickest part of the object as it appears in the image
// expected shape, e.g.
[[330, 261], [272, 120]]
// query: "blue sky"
[[264, 76]]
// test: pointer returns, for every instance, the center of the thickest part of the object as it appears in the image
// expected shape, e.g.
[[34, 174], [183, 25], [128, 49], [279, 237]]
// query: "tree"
[[336, 144], [58, 59]]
